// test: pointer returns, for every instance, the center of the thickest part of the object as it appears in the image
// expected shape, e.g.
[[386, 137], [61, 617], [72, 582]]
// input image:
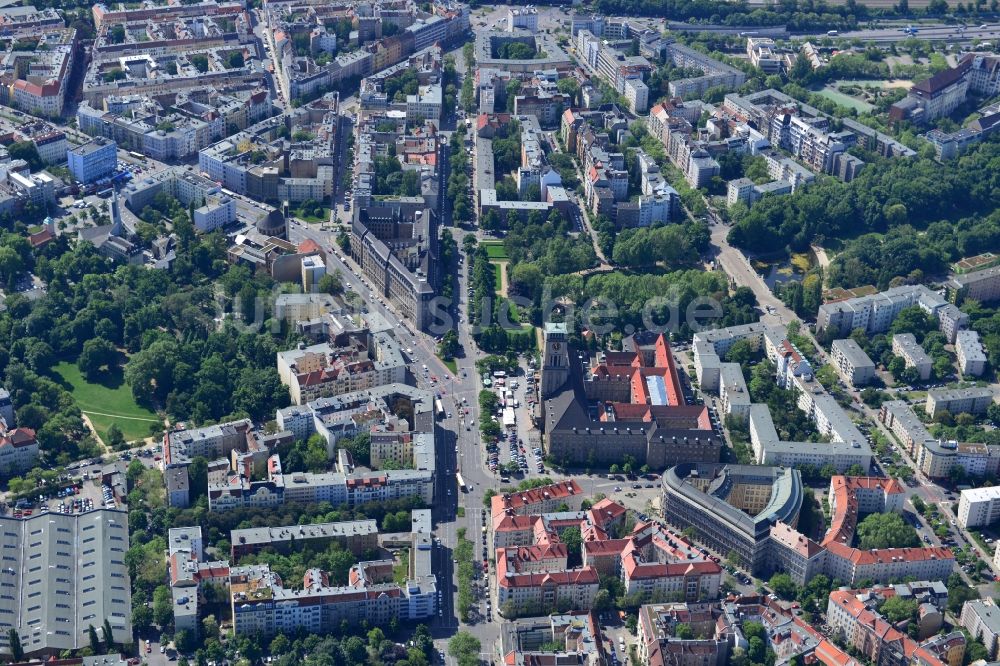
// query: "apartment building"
[[522, 18], [197, 117], [48, 140], [934, 457], [762, 53], [905, 346], [69, 573], [92, 161], [36, 79], [769, 449], [981, 618], [951, 320], [262, 605], [396, 416], [659, 644], [18, 449], [716, 73], [852, 362], [876, 312], [577, 633], [865, 630], [746, 191], [978, 507], [325, 370], [545, 499], [180, 447], [982, 286], [625, 73], [733, 391], [973, 400], [847, 446], [971, 355], [258, 162], [532, 572], [356, 536], [400, 422], [342, 487]]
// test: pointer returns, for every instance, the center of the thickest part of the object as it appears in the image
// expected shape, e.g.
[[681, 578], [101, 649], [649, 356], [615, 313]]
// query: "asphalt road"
[[932, 32]]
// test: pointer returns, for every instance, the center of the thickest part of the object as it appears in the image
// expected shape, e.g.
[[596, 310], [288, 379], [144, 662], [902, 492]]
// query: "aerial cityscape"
[[594, 333]]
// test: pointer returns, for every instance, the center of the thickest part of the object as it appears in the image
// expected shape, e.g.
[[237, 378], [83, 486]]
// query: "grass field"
[[845, 100], [497, 276], [107, 402], [310, 218], [495, 249]]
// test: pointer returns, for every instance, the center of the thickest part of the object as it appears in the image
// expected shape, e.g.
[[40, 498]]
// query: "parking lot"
[[81, 496]]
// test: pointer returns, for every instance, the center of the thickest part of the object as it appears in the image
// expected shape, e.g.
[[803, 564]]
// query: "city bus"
[[461, 482], [439, 408], [138, 156]]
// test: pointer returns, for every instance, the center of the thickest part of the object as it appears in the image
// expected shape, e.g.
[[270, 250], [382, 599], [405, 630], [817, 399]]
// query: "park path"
[[821, 256], [503, 277], [93, 431]]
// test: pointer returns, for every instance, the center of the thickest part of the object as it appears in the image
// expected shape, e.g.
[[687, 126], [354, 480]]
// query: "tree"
[[683, 631], [331, 283], [185, 641], [897, 609], [109, 636], [570, 87], [886, 530], [465, 647], [115, 439], [95, 642], [783, 586], [574, 544], [756, 650], [449, 346], [210, 627], [200, 62], [163, 610], [280, 645], [16, 651]]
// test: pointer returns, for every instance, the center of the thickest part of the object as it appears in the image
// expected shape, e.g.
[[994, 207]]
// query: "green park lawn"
[[108, 402], [497, 278], [495, 249]]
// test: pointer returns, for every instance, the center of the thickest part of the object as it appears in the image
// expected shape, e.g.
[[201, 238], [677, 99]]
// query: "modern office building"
[[92, 161], [732, 508]]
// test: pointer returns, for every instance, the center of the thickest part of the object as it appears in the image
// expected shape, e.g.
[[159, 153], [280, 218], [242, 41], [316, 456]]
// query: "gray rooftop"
[[783, 504], [69, 572], [266, 535], [853, 352]]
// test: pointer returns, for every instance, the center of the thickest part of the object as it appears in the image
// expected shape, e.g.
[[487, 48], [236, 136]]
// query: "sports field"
[[108, 402]]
